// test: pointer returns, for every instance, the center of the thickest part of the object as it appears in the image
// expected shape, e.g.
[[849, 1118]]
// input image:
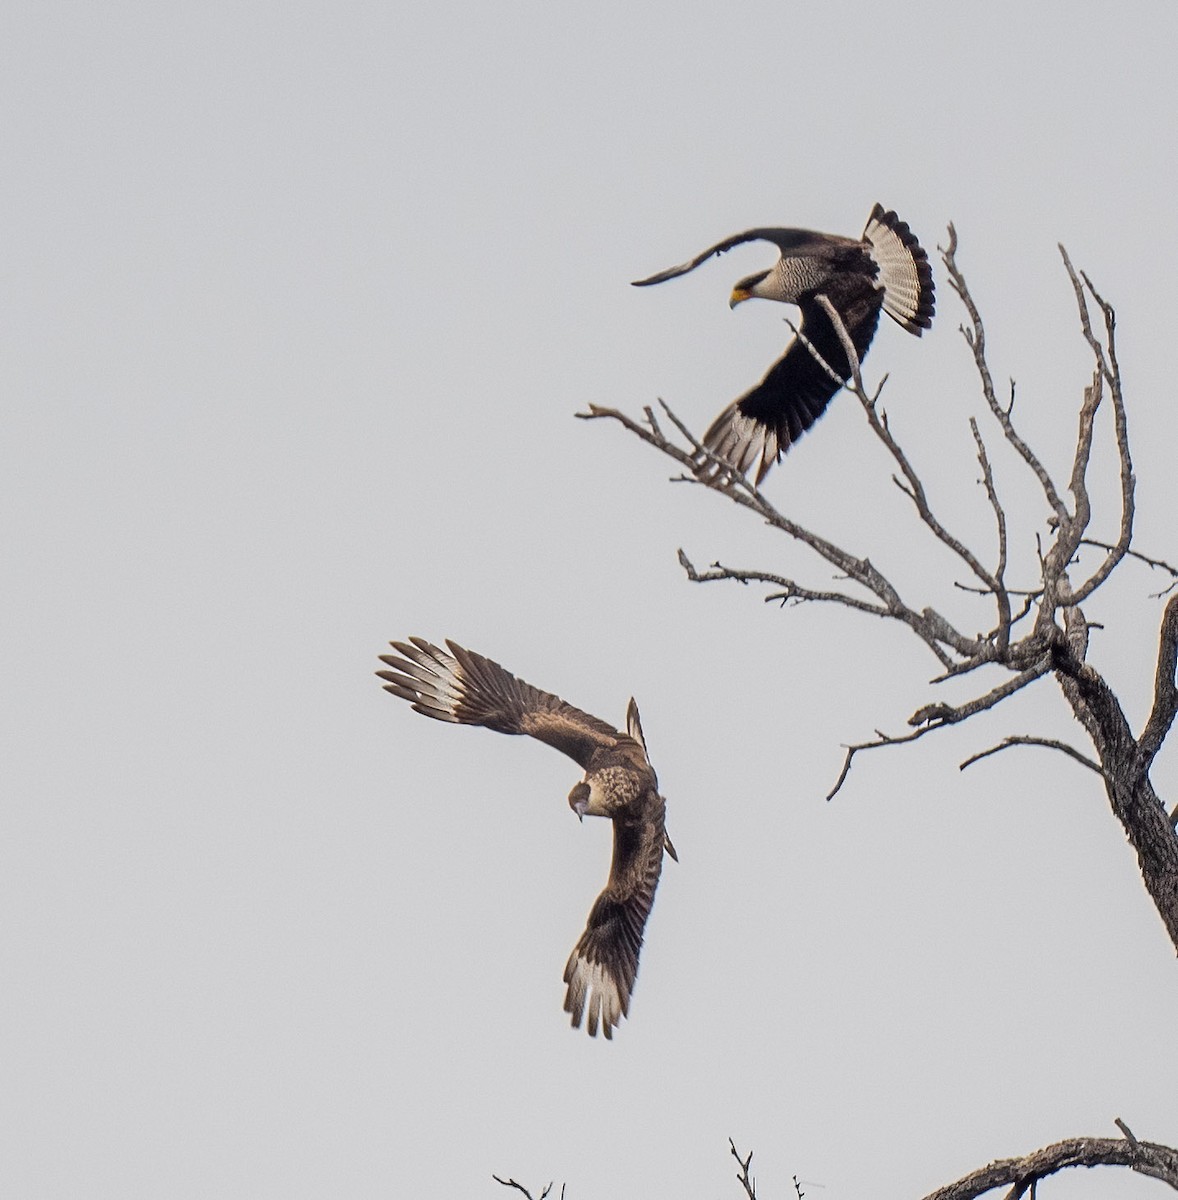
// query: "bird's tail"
[[904, 270]]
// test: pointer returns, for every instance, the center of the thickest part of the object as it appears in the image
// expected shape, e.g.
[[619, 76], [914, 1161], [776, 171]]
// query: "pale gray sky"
[[298, 303]]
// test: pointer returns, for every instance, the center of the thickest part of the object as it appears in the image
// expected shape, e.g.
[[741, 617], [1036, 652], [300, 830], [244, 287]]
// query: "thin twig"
[[974, 590], [1001, 595], [1157, 563], [933, 629], [937, 716], [743, 1176], [953, 714], [791, 590], [511, 1183], [1027, 740], [975, 339], [882, 739], [1109, 371], [915, 489]]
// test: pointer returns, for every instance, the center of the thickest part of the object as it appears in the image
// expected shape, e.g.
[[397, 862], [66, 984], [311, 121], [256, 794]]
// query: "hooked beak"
[[738, 294], [579, 799]]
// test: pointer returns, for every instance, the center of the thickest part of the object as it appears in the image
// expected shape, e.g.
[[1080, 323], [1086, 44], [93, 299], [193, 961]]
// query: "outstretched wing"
[[767, 420], [467, 689], [602, 967], [783, 239]]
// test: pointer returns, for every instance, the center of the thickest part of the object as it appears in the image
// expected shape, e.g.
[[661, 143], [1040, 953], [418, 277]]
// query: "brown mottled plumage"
[[467, 689], [887, 268]]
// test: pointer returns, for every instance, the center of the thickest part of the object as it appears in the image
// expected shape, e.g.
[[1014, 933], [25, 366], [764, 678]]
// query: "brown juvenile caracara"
[[887, 268], [467, 689]]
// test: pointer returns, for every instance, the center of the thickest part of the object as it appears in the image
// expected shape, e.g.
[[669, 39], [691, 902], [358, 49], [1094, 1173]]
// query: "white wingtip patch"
[[428, 678], [592, 994], [741, 441]]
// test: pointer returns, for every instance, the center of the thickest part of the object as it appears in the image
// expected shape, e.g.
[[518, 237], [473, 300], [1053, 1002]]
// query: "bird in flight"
[[467, 689], [887, 268]]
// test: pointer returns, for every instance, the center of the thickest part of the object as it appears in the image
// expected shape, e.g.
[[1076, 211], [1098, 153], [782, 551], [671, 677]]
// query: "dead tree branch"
[[1157, 563], [1022, 1174], [1107, 371], [519, 1187], [790, 590], [1027, 740], [915, 488], [744, 1178], [975, 339], [937, 716], [938, 634]]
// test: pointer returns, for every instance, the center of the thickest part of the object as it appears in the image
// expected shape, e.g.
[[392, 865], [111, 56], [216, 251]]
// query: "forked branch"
[[915, 487], [519, 1187], [975, 339], [948, 644], [745, 1180]]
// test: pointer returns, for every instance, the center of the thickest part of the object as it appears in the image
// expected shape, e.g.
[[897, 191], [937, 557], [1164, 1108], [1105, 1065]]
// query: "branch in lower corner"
[[519, 1187]]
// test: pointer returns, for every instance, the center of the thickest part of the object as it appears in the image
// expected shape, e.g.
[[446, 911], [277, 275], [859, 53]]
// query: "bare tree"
[[1038, 630]]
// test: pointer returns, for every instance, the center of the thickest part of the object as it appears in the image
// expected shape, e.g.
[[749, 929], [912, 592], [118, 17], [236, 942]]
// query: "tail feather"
[[904, 270]]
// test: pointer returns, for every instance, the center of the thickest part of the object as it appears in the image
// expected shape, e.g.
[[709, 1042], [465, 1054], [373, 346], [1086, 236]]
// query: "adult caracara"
[[886, 268], [468, 689]]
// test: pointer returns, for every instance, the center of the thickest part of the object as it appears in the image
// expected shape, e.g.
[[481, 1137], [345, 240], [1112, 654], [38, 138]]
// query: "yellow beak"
[[738, 294]]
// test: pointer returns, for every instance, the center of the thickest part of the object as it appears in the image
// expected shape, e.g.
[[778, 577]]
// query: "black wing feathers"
[[604, 964], [764, 422], [797, 388], [783, 239]]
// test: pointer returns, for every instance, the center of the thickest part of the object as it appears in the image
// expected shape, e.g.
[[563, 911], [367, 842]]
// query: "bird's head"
[[747, 288], [579, 799]]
